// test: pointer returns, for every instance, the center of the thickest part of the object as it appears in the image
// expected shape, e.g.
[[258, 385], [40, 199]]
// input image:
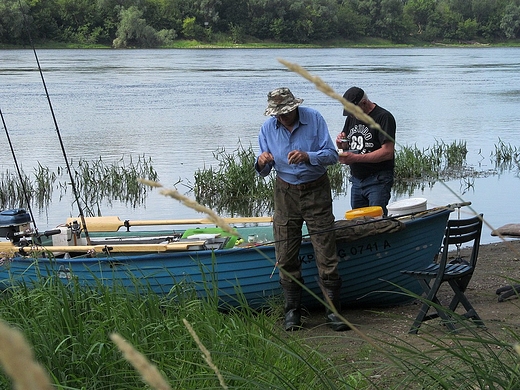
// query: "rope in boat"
[[22, 181], [69, 170]]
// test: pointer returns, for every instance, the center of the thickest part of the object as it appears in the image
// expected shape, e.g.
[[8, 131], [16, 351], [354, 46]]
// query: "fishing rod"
[[69, 170], [22, 181]]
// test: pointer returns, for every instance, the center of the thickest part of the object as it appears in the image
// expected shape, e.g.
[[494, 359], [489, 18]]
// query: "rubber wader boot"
[[293, 315], [333, 288]]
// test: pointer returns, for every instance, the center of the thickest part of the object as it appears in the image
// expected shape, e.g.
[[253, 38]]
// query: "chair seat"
[[451, 271]]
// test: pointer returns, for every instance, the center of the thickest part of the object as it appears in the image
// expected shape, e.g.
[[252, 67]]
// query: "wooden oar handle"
[[112, 223], [119, 248], [198, 221]]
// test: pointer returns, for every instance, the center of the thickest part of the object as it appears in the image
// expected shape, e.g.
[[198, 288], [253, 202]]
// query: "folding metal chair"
[[457, 273]]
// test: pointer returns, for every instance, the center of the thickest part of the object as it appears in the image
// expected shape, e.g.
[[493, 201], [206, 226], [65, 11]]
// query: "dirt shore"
[[498, 265]]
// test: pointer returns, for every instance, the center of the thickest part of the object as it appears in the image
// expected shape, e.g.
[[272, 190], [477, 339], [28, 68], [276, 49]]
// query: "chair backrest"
[[461, 231]]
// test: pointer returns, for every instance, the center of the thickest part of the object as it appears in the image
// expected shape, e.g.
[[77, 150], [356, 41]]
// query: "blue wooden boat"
[[372, 253]]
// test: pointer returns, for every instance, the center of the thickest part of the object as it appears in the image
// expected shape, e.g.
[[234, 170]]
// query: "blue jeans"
[[372, 191]]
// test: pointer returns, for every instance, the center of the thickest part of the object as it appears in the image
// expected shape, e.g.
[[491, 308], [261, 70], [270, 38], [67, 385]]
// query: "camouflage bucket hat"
[[281, 101]]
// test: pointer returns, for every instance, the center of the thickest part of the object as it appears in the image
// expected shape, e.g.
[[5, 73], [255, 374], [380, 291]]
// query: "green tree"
[[444, 23], [386, 19], [164, 14], [12, 22], [420, 12], [351, 23], [467, 29], [45, 17], [315, 19], [488, 14], [510, 23], [233, 15], [267, 18], [393, 23], [80, 21], [190, 28], [133, 30]]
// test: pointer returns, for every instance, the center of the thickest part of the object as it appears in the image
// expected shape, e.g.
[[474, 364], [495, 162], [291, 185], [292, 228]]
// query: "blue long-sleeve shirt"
[[310, 134]]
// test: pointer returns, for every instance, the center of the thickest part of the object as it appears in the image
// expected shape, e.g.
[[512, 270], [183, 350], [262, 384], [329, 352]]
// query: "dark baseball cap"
[[354, 96]]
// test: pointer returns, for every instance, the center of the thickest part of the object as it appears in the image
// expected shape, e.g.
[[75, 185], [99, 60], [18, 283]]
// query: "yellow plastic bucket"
[[372, 211]]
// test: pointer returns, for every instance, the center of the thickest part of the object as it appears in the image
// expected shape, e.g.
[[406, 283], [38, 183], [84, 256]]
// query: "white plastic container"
[[406, 206], [66, 238]]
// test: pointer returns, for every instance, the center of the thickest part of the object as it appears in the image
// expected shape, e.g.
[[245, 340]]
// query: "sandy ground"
[[497, 265]]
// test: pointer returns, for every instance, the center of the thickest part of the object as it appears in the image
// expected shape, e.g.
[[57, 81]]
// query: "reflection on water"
[[178, 106]]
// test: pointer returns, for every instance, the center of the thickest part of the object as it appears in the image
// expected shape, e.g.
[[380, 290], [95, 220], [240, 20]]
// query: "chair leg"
[[420, 318], [460, 297], [425, 307], [431, 301]]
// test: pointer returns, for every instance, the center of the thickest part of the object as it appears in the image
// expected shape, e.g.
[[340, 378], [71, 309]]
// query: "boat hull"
[[370, 268]]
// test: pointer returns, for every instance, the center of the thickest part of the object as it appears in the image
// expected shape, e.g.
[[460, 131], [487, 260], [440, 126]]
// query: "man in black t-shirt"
[[369, 152]]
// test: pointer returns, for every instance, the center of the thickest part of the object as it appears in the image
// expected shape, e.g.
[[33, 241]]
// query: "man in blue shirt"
[[296, 143]]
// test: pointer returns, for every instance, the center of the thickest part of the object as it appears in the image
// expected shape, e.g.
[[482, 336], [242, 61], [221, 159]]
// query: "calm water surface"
[[179, 106]]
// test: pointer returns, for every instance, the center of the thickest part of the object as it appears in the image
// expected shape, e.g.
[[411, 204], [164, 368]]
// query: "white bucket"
[[406, 206]]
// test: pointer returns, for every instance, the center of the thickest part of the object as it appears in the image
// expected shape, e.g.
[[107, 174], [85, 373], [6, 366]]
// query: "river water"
[[179, 106]]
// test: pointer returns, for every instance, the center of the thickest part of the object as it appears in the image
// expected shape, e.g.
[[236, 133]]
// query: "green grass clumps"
[[98, 181], [69, 328], [470, 359], [231, 185]]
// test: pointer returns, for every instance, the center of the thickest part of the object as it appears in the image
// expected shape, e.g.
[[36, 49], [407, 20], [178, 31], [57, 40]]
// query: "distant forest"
[[160, 23]]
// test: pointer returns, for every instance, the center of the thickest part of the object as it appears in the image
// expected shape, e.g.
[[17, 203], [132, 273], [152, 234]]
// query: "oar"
[[119, 248], [113, 223]]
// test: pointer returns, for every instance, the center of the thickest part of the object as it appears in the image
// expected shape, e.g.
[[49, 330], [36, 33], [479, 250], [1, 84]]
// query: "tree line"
[[156, 23]]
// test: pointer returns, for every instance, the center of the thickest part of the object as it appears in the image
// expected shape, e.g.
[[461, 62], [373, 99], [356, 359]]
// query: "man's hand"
[[264, 159], [297, 156]]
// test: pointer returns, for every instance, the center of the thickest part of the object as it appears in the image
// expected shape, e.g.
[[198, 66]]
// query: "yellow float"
[[371, 211]]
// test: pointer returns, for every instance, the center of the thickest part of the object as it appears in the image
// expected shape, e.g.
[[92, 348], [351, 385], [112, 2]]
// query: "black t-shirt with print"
[[363, 139]]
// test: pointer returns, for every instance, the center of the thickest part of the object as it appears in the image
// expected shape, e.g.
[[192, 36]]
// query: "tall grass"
[[99, 182], [231, 185], [13, 189], [417, 168], [69, 328]]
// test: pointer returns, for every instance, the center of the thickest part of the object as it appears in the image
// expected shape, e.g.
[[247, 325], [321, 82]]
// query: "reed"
[[438, 162], [232, 186], [506, 157], [96, 181], [14, 191]]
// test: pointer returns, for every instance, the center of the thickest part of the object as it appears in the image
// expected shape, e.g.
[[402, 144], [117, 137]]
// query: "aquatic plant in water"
[[232, 186], [96, 181]]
